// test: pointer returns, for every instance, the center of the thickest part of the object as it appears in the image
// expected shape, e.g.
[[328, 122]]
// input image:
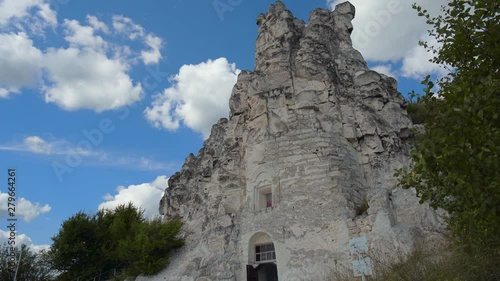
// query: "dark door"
[[268, 272], [252, 274], [271, 271]]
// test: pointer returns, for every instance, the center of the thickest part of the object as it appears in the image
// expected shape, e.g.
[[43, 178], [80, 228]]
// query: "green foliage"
[[456, 161], [119, 228], [152, 244], [418, 113], [120, 239], [75, 249], [33, 266], [416, 108]]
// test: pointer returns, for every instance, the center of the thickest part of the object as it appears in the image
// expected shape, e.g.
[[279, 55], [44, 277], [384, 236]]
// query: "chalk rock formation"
[[305, 162]]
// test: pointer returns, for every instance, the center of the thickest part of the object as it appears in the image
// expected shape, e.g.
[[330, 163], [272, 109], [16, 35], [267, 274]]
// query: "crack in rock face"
[[303, 165]]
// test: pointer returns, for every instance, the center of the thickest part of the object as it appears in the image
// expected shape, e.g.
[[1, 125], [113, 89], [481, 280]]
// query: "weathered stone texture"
[[321, 131]]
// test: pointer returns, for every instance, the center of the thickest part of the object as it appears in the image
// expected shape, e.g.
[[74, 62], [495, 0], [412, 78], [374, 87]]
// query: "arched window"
[[261, 258], [263, 195]]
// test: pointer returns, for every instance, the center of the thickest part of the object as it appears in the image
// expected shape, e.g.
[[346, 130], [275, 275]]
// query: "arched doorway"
[[261, 259]]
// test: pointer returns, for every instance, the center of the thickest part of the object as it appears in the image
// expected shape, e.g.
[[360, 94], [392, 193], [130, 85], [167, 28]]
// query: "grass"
[[443, 263]]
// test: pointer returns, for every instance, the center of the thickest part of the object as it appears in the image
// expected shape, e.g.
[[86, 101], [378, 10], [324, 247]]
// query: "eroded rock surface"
[[321, 133]]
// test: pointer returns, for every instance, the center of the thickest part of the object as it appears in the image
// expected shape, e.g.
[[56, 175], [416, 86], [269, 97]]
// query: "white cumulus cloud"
[[92, 72], [85, 76], [87, 79], [20, 9], [385, 69], [416, 63], [126, 26], [145, 196], [153, 55], [20, 63], [24, 208], [97, 24], [47, 14], [385, 30], [388, 31], [198, 97], [84, 36]]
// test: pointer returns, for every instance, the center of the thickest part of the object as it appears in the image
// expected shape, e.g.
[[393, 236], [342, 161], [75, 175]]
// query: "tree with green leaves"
[[456, 160], [75, 248], [33, 266], [151, 246], [110, 241]]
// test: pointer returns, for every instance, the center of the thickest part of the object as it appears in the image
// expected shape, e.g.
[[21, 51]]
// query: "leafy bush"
[[32, 266], [456, 160], [418, 113], [119, 240]]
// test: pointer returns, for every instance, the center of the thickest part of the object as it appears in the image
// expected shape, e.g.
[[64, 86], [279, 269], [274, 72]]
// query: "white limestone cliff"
[[322, 133]]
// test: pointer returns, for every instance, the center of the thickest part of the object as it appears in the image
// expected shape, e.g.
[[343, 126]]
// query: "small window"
[[265, 253], [264, 198], [269, 200]]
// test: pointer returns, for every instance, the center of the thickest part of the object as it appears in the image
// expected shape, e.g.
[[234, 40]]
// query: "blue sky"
[[101, 101]]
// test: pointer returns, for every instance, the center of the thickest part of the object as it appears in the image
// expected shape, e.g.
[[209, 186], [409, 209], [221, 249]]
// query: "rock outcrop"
[[316, 132]]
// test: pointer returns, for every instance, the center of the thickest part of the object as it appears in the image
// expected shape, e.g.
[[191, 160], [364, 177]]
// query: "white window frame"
[[266, 256], [262, 194]]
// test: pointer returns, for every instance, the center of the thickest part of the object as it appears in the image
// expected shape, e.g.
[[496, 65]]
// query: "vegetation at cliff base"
[[32, 266], [436, 263], [456, 160], [111, 241], [417, 112]]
